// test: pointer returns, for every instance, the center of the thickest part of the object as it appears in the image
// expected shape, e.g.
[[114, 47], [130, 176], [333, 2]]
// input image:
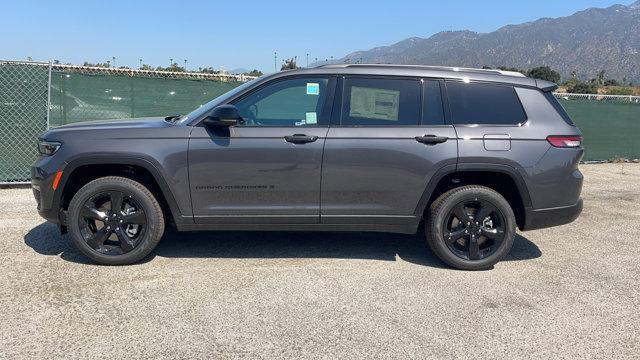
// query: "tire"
[[115, 221], [473, 243]]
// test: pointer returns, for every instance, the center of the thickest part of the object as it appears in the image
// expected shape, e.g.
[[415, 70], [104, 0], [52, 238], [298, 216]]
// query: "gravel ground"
[[566, 292]]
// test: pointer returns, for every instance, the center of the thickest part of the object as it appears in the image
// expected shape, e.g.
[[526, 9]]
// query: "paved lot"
[[572, 292]]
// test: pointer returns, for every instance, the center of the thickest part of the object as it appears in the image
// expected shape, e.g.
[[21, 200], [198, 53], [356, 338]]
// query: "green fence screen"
[[23, 116], [93, 96], [610, 124]]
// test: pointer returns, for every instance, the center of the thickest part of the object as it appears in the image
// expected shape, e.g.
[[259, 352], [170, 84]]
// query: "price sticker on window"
[[311, 117], [313, 89]]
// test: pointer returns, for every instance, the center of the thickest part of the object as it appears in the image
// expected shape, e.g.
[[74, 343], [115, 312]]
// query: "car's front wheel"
[[471, 227], [115, 221]]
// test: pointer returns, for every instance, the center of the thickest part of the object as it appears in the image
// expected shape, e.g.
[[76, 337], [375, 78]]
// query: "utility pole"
[[140, 67], [185, 64], [170, 62], [275, 61], [114, 61], [307, 60]]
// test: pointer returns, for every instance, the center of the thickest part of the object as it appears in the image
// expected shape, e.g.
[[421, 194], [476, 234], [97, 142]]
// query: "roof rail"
[[426, 67]]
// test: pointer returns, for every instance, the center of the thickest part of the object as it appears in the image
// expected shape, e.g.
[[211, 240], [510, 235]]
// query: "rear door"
[[387, 139]]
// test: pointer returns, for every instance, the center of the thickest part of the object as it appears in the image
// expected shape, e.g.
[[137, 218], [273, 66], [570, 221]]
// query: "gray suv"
[[472, 153]]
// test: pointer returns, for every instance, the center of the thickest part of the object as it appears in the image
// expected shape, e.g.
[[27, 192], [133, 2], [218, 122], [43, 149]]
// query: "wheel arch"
[[116, 165], [504, 179]]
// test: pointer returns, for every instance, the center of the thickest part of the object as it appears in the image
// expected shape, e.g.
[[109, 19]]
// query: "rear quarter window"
[[556, 105], [484, 104]]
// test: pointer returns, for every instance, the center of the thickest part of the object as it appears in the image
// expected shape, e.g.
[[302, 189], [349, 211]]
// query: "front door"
[[382, 150], [267, 169]]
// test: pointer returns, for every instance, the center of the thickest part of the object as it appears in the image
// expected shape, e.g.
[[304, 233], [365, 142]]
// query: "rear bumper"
[[544, 218]]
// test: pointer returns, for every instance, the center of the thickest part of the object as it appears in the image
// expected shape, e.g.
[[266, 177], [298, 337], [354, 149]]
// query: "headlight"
[[48, 147]]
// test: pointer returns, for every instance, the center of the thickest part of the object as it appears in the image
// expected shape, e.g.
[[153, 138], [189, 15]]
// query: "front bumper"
[[42, 176], [544, 218]]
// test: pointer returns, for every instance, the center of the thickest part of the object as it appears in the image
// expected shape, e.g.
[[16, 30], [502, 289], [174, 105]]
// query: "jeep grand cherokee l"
[[472, 153]]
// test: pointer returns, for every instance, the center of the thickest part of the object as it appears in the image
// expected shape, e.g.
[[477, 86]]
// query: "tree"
[[174, 67], [544, 73], [208, 70], [146, 67], [103, 65], [289, 64], [506, 68], [599, 80], [254, 72], [611, 82], [581, 87]]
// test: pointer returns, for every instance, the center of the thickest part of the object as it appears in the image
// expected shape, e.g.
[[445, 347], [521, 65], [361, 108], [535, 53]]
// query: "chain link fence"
[[24, 94], [35, 96], [82, 93]]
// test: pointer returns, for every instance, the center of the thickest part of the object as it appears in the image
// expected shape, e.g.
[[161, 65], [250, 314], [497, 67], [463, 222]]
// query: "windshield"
[[203, 109]]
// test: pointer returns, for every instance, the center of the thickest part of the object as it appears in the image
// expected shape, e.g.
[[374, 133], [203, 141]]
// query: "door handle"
[[431, 139], [300, 138]]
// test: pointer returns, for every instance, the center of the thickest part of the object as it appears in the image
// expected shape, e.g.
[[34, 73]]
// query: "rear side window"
[[484, 104], [556, 104], [391, 102]]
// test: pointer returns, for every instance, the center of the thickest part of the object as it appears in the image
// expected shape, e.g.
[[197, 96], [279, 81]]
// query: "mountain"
[[585, 42]]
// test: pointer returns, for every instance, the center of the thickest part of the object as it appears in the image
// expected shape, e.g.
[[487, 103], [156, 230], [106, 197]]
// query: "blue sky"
[[244, 34]]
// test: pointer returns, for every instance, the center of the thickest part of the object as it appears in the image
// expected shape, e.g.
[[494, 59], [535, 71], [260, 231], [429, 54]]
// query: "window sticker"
[[311, 118], [313, 89], [371, 103]]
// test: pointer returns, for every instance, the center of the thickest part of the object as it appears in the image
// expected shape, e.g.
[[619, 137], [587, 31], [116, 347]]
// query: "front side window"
[[291, 102], [376, 102], [484, 104]]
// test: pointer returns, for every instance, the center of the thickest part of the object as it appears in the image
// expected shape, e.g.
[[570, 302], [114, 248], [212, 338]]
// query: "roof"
[[442, 72]]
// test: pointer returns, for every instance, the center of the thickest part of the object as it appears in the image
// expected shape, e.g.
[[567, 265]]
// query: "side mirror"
[[223, 116]]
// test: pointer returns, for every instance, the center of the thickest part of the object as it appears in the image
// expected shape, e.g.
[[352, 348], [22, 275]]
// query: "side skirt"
[[405, 228]]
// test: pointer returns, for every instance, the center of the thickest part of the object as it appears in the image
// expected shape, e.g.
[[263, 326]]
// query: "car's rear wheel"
[[471, 227], [115, 221]]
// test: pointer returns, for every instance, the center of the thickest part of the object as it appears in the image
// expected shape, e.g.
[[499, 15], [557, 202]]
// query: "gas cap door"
[[497, 142]]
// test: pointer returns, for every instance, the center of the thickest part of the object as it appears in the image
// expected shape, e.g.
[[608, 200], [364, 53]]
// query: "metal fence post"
[[49, 96]]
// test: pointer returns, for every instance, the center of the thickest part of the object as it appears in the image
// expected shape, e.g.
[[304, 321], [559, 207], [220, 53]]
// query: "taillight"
[[565, 141]]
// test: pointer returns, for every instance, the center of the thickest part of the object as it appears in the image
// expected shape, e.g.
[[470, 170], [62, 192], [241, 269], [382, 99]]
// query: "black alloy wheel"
[[474, 229], [470, 227], [115, 220], [112, 222]]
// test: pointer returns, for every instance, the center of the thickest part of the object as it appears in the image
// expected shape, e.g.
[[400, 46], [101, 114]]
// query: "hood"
[[111, 129], [151, 122]]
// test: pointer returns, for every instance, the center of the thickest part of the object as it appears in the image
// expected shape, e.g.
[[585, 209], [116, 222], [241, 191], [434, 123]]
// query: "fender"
[[512, 172], [119, 159]]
